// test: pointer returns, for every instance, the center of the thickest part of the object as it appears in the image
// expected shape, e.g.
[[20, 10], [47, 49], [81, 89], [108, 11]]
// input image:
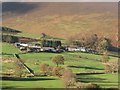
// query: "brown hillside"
[[62, 19]]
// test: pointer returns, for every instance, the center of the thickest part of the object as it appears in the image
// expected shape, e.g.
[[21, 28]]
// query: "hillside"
[[62, 19]]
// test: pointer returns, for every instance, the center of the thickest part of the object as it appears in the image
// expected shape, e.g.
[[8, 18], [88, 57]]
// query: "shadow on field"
[[88, 79], [86, 67], [8, 87], [92, 79], [25, 79]]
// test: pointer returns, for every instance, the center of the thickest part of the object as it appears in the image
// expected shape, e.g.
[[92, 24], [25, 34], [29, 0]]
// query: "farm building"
[[51, 43], [82, 49], [46, 45]]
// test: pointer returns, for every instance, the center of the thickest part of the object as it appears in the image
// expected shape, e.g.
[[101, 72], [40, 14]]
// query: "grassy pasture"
[[72, 60]]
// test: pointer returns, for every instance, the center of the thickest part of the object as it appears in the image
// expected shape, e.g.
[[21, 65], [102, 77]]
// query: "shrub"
[[59, 59], [18, 68], [92, 85], [50, 69], [80, 85], [58, 71], [105, 57], [107, 67], [111, 67], [114, 66], [69, 78], [87, 86], [44, 68]]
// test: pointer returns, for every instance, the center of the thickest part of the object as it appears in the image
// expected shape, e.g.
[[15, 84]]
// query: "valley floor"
[[88, 63]]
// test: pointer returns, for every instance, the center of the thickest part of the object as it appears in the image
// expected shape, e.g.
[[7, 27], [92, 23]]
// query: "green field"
[[72, 60]]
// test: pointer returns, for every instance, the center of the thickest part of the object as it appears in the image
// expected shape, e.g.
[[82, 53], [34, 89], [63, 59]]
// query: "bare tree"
[[59, 59]]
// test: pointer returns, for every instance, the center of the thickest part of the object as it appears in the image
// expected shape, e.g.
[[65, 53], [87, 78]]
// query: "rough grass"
[[51, 24], [9, 48]]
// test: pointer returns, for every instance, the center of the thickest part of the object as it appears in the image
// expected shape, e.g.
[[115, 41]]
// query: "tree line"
[[100, 44]]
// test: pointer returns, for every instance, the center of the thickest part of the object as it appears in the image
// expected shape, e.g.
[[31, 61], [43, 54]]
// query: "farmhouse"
[[48, 45]]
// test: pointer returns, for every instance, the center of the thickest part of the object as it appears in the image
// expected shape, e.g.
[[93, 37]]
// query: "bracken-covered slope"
[[62, 19]]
